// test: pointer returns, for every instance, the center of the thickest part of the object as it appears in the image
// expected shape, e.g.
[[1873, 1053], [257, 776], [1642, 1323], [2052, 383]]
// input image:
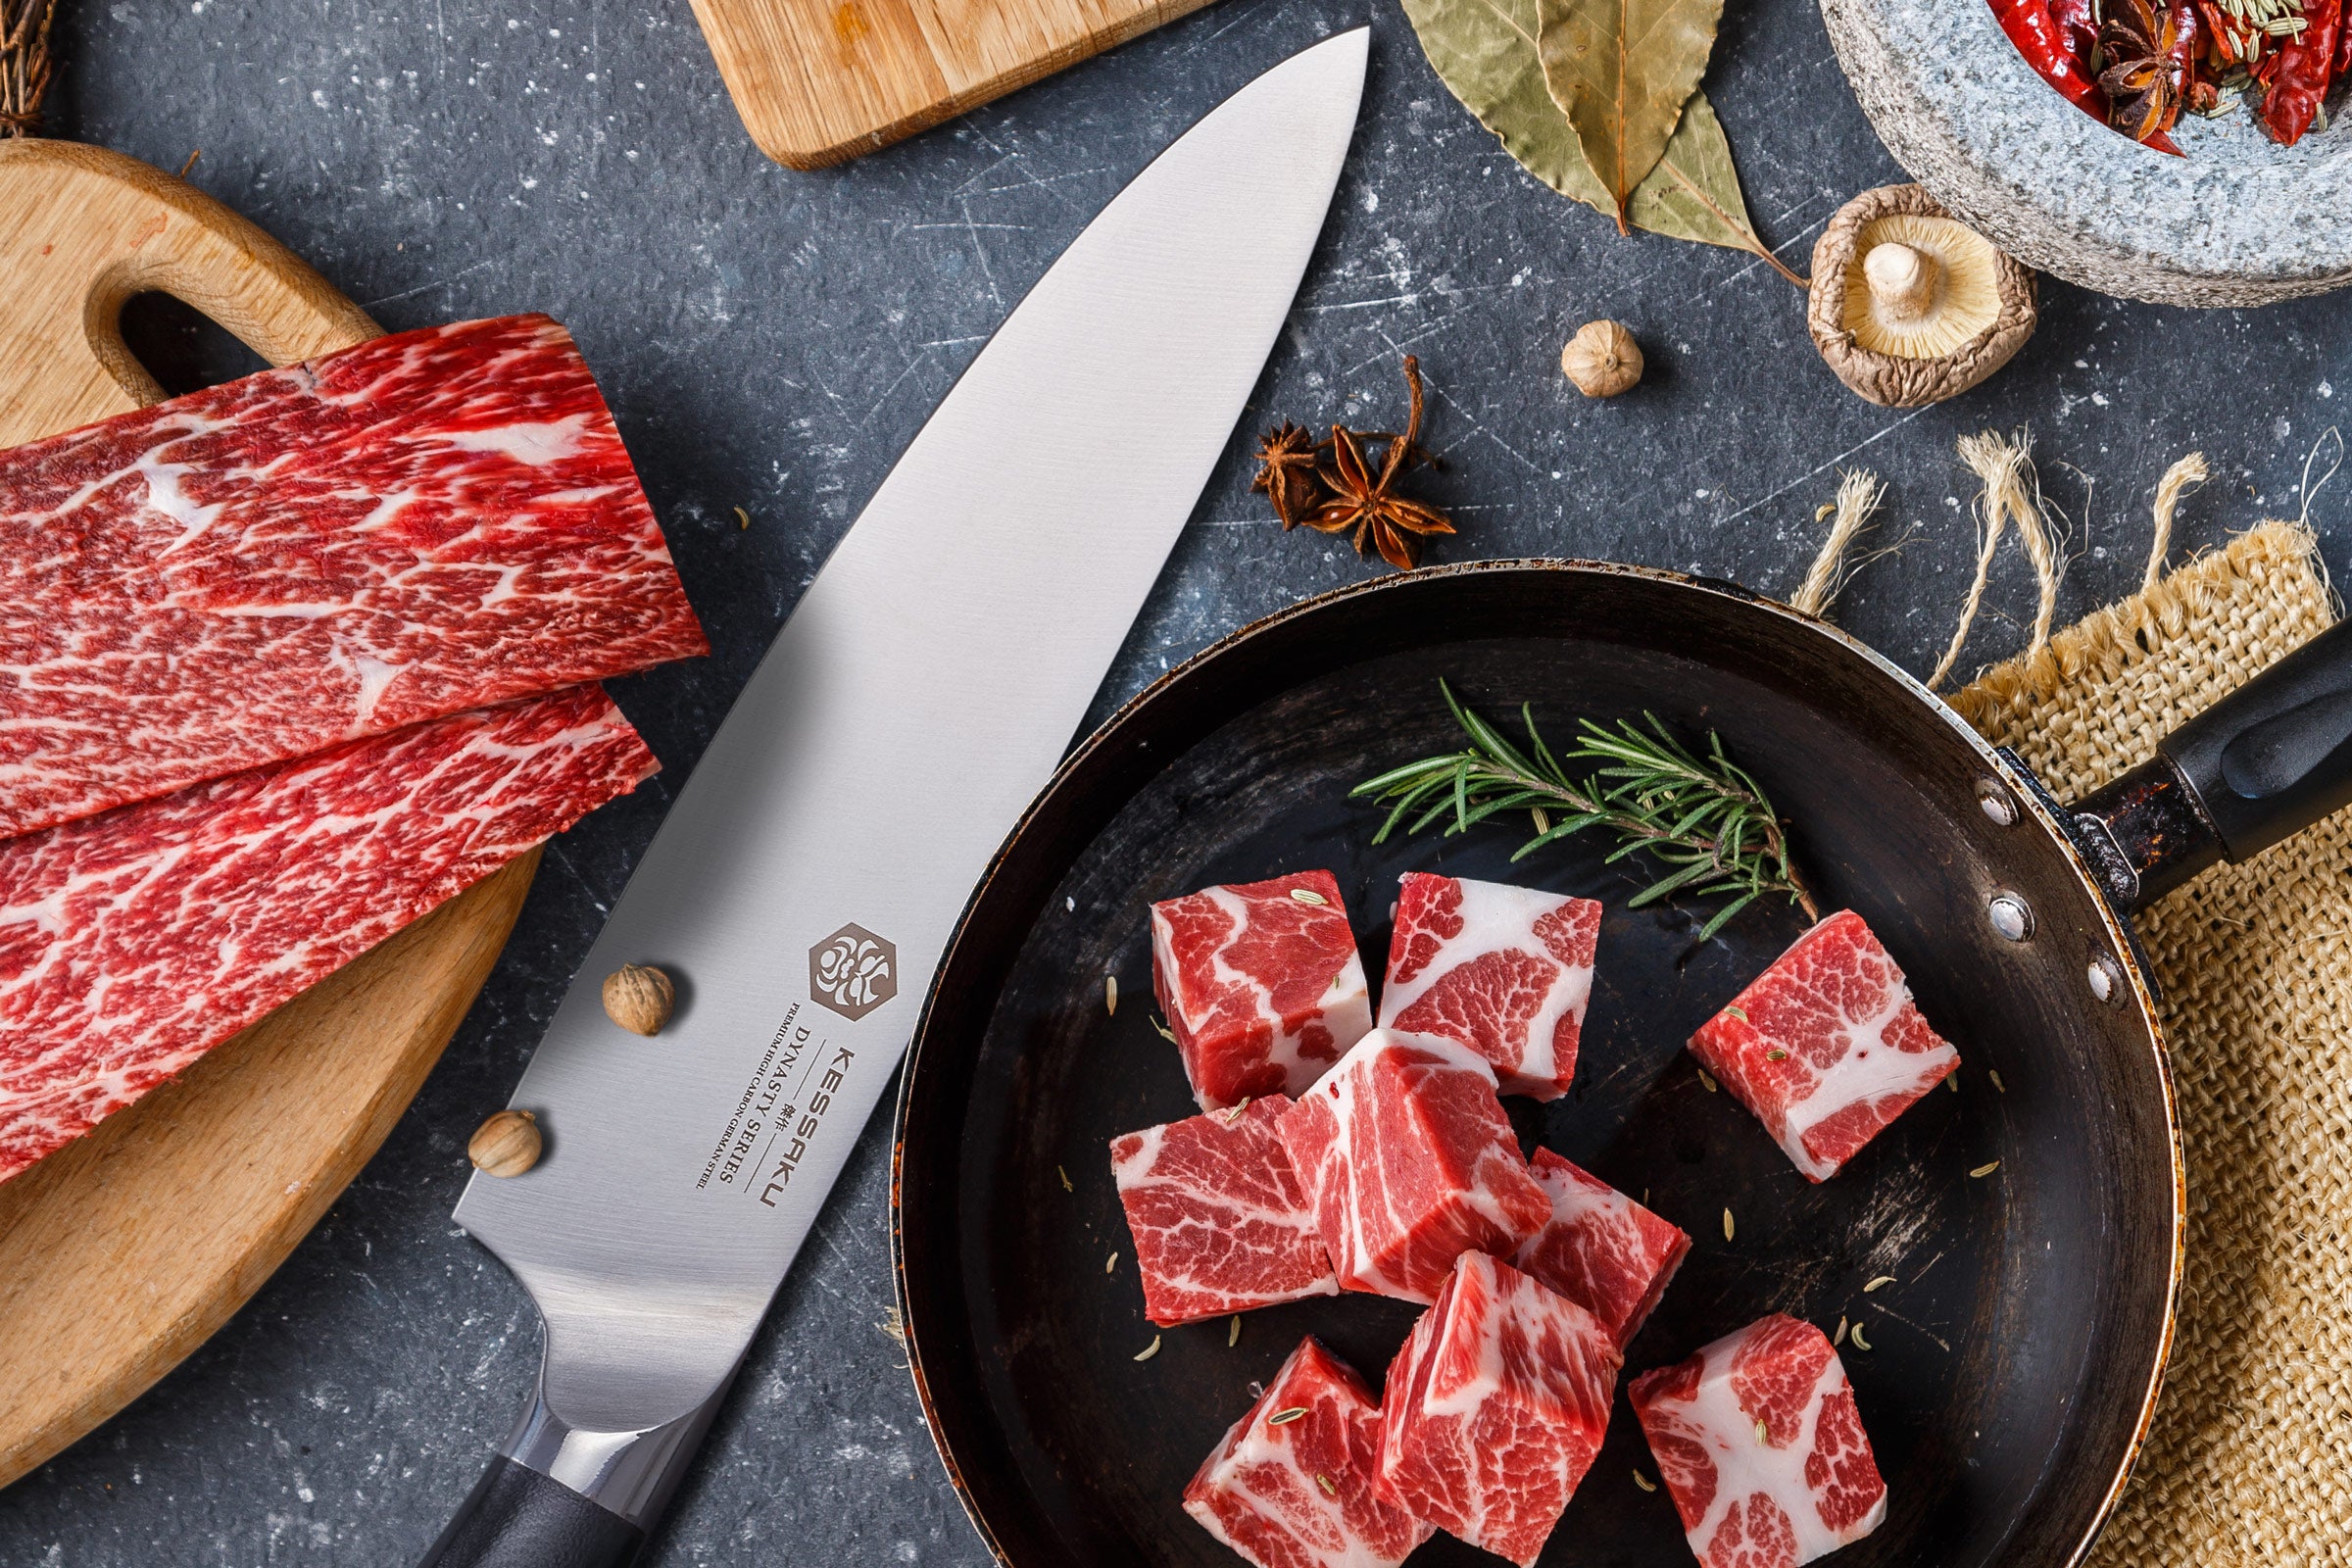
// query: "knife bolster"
[[629, 1474]]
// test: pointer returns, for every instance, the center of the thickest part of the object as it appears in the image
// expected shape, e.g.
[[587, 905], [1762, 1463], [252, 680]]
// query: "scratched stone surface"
[[769, 340]]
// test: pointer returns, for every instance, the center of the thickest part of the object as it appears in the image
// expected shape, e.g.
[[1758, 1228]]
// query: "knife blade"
[[804, 884]]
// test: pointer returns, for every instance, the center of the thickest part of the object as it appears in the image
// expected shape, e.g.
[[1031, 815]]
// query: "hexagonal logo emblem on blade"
[[853, 971]]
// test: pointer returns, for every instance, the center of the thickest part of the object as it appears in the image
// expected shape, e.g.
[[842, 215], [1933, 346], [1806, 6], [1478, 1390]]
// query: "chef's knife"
[[801, 888]]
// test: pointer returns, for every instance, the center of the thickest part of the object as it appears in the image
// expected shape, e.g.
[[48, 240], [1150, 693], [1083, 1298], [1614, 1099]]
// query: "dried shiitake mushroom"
[[1909, 305]]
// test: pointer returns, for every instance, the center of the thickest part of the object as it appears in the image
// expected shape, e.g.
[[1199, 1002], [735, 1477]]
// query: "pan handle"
[[2262, 765]]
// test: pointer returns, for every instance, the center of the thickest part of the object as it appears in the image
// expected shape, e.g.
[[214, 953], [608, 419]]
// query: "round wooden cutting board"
[[121, 1253]]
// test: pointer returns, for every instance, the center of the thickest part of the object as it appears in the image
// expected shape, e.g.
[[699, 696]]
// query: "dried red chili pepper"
[[2306, 62], [2078, 27], [2343, 52], [2188, 37], [2035, 33]]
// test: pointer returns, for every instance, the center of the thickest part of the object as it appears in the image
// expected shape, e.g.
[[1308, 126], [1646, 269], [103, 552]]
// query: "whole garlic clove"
[[639, 998], [507, 1145], [1602, 359]]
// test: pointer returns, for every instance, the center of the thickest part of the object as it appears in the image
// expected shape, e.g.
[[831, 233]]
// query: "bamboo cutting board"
[[121, 1253], [821, 82]]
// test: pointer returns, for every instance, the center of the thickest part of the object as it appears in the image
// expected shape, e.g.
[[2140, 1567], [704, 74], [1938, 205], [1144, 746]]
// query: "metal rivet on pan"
[[2106, 977], [2011, 916], [1996, 803]]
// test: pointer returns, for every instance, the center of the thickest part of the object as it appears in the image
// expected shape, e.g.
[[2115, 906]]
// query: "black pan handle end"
[[2260, 765], [518, 1518]]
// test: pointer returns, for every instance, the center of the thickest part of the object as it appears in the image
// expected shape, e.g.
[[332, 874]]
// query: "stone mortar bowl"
[[2239, 220]]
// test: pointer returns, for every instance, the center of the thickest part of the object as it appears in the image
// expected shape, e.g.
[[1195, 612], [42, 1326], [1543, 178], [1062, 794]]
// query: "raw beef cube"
[[425, 524], [1260, 983], [1405, 1154], [1296, 1482], [134, 941], [1495, 1407], [1826, 1045], [1220, 1222], [1759, 1444], [1601, 1250], [1503, 970]]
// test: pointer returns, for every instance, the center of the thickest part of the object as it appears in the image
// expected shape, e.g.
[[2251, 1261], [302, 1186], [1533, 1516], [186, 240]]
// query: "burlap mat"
[[2251, 1457]]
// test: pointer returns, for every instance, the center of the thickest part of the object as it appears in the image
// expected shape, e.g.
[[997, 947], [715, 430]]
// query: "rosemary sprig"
[[1703, 816]]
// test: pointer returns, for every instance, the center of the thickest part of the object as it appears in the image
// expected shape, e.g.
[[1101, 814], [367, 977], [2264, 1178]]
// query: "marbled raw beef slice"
[[134, 941], [1219, 1220], [1294, 1484], [1826, 1047], [429, 522], [1601, 1250], [1495, 1409], [1260, 984], [1409, 1162], [1759, 1443], [1503, 970]]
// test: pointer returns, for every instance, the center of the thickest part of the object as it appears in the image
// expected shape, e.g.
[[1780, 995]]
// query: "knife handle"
[[558, 1496], [517, 1518]]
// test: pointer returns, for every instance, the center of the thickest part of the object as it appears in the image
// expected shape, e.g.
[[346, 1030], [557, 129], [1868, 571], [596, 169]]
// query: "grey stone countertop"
[[770, 340]]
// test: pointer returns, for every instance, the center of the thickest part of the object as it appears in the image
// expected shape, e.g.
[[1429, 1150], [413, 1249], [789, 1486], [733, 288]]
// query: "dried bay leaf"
[[1484, 52], [1621, 70], [1693, 193]]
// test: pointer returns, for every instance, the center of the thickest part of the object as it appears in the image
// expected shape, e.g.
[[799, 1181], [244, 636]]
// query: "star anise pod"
[[1363, 502], [2143, 80], [1287, 473]]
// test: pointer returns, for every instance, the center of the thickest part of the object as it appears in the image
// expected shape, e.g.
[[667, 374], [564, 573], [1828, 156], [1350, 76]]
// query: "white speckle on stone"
[[529, 183], [2081, 364], [1371, 201], [2325, 390], [1699, 494], [2098, 400], [318, 97]]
